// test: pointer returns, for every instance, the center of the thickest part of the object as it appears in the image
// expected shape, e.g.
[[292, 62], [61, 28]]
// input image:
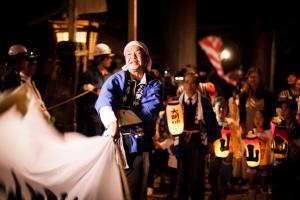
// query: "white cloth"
[[42, 157], [107, 116]]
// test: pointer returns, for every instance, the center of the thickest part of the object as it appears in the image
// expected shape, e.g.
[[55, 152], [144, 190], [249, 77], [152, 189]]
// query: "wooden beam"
[[132, 20], [72, 20]]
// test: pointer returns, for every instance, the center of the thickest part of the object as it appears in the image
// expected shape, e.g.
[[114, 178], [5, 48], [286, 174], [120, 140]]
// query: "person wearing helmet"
[[99, 71], [93, 80], [26, 74], [17, 58]]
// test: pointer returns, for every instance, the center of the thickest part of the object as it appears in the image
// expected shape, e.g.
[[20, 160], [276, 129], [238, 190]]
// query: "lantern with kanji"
[[175, 117], [280, 139], [221, 146], [252, 147]]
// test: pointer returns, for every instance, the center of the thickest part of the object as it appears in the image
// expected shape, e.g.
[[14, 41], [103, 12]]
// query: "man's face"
[[190, 84], [291, 80], [28, 66], [135, 58], [106, 62]]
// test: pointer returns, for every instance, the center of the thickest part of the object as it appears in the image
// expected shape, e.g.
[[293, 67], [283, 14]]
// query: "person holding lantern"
[[265, 156], [200, 131], [286, 173], [220, 166]]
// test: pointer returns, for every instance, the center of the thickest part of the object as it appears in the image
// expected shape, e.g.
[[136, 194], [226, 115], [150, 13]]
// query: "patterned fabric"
[[112, 94]]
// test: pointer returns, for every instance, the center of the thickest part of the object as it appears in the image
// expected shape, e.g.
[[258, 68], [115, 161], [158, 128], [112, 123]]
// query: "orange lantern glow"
[[252, 146], [280, 142], [221, 146], [175, 117]]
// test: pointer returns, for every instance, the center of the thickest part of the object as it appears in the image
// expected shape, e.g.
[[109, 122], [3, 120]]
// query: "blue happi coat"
[[112, 93]]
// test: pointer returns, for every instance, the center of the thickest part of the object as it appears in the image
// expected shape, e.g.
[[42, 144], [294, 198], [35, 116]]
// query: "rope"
[[71, 99], [122, 173]]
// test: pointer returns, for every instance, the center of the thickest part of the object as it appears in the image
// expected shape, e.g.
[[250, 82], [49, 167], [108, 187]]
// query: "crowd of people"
[[129, 105], [251, 110]]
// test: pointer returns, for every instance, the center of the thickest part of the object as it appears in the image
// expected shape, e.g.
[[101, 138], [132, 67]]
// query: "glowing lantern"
[[221, 146], [252, 145], [280, 141], [175, 117]]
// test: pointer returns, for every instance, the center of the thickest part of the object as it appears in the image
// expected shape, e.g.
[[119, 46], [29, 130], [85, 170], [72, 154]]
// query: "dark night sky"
[[234, 20]]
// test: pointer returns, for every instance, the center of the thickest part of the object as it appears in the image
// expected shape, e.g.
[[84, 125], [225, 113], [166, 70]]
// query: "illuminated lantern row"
[[175, 117], [252, 146], [280, 142], [221, 146]]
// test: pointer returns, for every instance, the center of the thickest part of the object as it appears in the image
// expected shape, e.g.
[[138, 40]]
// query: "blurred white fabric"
[[35, 159]]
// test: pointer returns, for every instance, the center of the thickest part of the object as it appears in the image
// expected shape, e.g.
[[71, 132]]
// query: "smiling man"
[[128, 106]]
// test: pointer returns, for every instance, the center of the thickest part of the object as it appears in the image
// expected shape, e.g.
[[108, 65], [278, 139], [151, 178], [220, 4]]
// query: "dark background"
[[27, 22]]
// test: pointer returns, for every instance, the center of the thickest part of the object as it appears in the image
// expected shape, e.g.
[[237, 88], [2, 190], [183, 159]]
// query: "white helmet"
[[102, 49], [17, 50]]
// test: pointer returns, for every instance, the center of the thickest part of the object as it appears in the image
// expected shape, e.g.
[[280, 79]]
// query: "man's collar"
[[143, 80], [194, 98]]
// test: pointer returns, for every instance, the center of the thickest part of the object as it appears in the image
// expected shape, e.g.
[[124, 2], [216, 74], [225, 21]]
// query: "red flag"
[[212, 46]]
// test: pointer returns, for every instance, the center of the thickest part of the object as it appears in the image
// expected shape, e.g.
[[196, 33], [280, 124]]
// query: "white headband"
[[145, 49]]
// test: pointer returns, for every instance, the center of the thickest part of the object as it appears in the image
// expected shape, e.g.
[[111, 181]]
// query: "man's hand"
[[88, 87], [114, 131]]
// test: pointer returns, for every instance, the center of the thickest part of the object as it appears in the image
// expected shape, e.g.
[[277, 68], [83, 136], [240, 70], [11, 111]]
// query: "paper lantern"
[[175, 117], [280, 142], [252, 147], [221, 146]]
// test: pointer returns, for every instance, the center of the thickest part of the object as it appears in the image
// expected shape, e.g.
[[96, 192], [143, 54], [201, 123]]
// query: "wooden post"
[[72, 20], [72, 37], [132, 20]]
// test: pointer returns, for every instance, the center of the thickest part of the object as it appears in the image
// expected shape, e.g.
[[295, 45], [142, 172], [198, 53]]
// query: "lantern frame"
[[253, 151], [222, 145], [175, 117]]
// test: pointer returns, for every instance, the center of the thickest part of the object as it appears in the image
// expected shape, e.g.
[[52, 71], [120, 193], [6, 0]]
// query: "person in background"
[[255, 97], [168, 145], [200, 131], [21, 69], [128, 105], [263, 171], [160, 155], [239, 174], [206, 89], [26, 74], [18, 56], [93, 79], [291, 92], [286, 174], [221, 168]]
